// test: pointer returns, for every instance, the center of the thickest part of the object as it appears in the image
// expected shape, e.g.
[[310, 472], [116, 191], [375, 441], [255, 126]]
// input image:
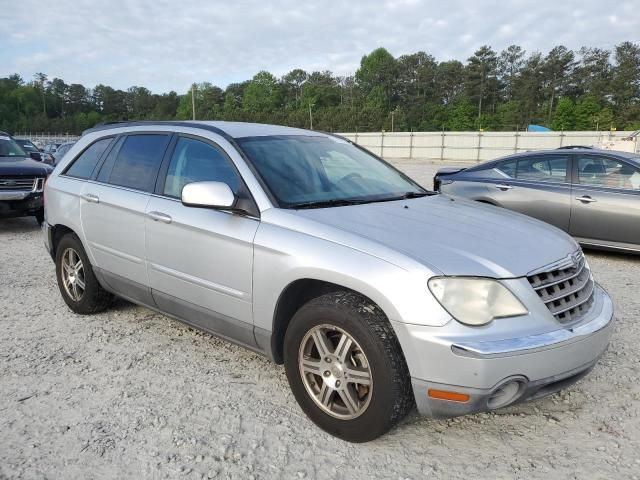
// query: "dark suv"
[[21, 181]]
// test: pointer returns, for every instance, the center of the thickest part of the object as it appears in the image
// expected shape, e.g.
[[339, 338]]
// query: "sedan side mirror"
[[217, 195], [36, 156]]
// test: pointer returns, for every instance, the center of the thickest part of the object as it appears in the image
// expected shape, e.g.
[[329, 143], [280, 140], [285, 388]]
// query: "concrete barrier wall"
[[474, 146], [446, 146]]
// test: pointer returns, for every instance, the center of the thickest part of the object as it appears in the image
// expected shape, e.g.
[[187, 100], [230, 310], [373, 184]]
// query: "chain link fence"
[[41, 139]]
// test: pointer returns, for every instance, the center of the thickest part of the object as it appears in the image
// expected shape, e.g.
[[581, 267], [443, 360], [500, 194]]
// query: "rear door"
[[606, 200], [113, 211], [536, 185]]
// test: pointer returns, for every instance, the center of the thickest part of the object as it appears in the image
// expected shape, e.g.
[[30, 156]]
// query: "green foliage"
[[590, 89], [586, 113], [261, 94], [565, 116], [461, 116]]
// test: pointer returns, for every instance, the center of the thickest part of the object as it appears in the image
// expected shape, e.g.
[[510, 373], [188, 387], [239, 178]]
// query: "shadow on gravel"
[[18, 225], [613, 255]]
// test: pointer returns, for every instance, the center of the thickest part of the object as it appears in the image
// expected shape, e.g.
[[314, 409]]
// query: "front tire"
[[345, 367], [77, 283]]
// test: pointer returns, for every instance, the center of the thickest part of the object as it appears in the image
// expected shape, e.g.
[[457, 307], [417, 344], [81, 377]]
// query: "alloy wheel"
[[73, 274], [335, 372]]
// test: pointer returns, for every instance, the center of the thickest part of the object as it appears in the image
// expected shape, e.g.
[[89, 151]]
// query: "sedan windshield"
[[9, 148], [313, 171]]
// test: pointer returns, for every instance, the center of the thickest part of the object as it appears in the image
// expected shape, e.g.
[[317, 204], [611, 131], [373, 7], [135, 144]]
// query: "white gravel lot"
[[133, 394]]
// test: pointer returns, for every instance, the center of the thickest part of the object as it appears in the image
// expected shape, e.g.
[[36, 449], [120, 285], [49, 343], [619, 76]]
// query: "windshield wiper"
[[338, 202], [413, 195]]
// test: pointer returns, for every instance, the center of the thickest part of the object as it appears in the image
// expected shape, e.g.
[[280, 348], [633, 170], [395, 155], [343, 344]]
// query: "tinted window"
[[107, 165], [87, 161], [543, 169], [608, 172], [196, 161], [508, 168], [138, 161]]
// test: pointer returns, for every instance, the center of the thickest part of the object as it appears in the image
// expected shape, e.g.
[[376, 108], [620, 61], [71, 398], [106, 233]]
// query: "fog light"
[[505, 394]]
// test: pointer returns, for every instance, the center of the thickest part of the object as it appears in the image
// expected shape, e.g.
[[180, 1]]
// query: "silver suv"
[[375, 293]]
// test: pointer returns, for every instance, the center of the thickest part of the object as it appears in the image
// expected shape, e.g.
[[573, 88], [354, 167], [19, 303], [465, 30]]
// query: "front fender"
[[282, 256]]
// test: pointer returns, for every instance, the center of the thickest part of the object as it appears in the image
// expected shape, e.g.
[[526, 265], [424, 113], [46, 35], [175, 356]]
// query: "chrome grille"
[[17, 183], [566, 289]]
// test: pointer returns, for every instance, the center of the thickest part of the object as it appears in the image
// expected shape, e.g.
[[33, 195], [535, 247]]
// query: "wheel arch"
[[292, 298], [57, 232]]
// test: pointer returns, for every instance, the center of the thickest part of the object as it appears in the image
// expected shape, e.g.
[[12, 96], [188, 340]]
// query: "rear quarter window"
[[83, 166]]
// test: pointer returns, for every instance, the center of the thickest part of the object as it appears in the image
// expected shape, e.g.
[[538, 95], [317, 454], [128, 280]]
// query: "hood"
[[23, 166], [457, 236]]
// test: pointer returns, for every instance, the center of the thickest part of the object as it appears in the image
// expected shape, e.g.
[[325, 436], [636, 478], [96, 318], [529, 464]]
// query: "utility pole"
[[193, 100], [310, 116], [393, 113]]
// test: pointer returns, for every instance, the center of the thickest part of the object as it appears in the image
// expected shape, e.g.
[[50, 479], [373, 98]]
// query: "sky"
[[167, 45]]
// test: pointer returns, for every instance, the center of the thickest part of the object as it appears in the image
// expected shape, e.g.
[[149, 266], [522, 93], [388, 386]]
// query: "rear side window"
[[84, 165], [543, 169], [138, 161]]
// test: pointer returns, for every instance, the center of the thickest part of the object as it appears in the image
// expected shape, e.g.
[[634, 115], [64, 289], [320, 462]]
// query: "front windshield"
[[27, 145], [9, 148], [307, 170]]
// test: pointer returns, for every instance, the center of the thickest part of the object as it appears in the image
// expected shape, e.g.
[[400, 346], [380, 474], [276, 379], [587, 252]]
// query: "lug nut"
[[337, 383], [327, 359], [327, 373]]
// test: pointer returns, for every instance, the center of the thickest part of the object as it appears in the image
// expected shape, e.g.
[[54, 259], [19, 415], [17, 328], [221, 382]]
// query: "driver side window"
[[197, 161]]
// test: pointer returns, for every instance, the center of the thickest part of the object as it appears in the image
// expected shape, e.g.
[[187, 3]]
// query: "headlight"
[[475, 301]]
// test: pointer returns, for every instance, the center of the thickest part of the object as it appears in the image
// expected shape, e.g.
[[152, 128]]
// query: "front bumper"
[[539, 364], [20, 204]]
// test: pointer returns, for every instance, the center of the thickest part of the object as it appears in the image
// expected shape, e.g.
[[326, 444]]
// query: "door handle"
[[586, 199], [159, 217], [502, 186], [90, 197]]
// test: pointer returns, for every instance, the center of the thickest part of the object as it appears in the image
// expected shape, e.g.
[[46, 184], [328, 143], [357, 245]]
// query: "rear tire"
[[356, 385], [78, 284]]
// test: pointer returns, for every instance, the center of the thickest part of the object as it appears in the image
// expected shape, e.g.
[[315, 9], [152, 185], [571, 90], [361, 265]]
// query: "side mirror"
[[217, 195], [36, 156]]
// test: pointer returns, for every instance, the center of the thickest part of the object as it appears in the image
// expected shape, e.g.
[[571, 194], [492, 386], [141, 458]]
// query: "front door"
[[606, 201], [200, 260]]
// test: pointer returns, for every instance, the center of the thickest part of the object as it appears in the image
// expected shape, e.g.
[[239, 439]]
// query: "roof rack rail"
[[576, 147], [142, 123]]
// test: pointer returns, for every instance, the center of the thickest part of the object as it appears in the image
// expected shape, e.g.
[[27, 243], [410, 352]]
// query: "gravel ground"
[[132, 394]]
